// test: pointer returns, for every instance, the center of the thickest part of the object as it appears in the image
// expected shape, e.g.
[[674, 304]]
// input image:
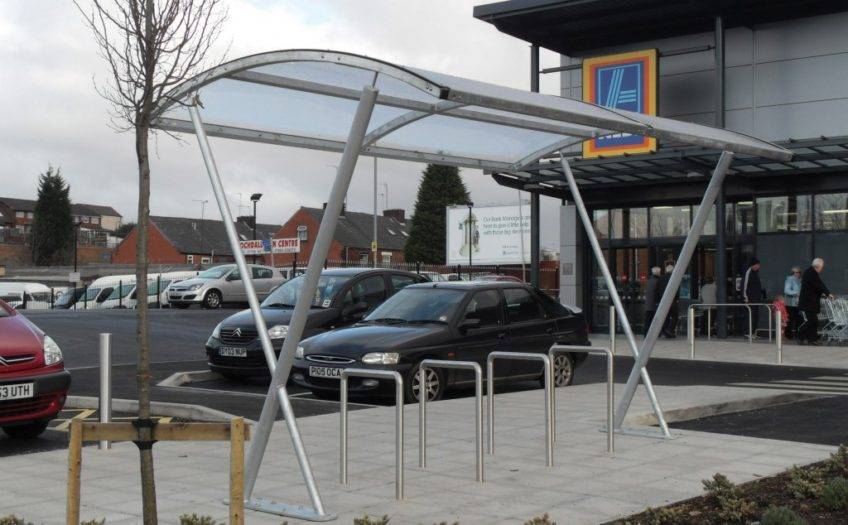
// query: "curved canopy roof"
[[307, 98]]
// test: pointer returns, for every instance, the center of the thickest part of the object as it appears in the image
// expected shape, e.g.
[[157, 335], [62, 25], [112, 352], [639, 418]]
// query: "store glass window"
[[601, 220], [638, 223], [784, 214], [832, 211], [744, 218], [617, 224], [670, 221], [710, 225]]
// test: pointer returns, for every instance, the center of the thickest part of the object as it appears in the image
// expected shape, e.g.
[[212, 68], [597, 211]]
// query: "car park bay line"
[[299, 395], [83, 414]]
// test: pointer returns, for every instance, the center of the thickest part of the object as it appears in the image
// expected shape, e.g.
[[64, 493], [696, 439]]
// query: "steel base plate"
[[283, 509]]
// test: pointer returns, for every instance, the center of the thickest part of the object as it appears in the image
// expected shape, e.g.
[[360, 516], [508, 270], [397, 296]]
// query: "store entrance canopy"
[[341, 102]]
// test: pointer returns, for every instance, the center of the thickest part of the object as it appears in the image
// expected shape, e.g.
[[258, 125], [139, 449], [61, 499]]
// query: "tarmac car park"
[[344, 296]]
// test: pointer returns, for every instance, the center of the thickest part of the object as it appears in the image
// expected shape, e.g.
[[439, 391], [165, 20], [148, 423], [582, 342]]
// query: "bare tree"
[[149, 46]]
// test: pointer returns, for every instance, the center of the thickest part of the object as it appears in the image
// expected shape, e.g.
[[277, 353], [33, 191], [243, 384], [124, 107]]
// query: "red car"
[[33, 379]]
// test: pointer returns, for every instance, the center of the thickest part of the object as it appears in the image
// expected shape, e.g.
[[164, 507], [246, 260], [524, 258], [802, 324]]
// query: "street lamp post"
[[254, 199], [470, 237]]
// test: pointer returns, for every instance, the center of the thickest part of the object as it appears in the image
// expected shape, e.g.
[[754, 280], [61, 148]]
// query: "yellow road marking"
[[83, 414]]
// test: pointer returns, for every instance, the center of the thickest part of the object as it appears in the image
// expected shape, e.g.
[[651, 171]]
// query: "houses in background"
[[18, 214], [352, 238], [179, 240]]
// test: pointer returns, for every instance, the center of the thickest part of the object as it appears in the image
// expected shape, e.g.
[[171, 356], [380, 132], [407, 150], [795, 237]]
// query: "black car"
[[463, 321], [344, 296]]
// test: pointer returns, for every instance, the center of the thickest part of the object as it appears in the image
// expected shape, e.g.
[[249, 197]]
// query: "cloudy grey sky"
[[51, 114]]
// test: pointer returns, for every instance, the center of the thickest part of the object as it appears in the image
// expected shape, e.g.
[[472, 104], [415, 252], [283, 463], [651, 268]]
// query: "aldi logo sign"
[[624, 81]]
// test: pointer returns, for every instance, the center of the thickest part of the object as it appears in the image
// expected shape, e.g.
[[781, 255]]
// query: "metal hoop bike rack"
[[597, 350], [377, 374], [778, 322], [490, 395], [478, 408]]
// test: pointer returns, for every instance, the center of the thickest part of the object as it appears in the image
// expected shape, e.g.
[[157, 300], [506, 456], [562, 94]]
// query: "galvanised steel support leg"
[[673, 284], [613, 292], [281, 396], [304, 301]]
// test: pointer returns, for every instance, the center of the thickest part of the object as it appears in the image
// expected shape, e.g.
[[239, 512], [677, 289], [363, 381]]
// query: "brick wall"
[[289, 230], [21, 255]]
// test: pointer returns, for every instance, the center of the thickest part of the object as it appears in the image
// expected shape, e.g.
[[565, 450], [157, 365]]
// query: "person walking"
[[670, 325], [708, 296], [752, 292], [809, 302], [791, 290], [652, 295]]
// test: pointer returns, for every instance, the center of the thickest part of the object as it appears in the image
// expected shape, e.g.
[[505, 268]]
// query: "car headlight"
[[298, 353], [194, 287], [216, 333], [381, 358], [52, 352], [279, 331]]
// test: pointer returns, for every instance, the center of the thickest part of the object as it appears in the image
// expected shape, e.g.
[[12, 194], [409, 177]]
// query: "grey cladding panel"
[[805, 120], [803, 80], [802, 38]]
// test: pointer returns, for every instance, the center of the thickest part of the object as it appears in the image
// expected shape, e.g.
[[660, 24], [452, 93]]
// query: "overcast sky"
[[51, 114]]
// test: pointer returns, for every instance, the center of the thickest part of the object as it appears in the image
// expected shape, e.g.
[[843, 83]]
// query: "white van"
[[38, 296], [98, 291]]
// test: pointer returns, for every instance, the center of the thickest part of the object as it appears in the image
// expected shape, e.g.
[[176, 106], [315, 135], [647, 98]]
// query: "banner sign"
[[493, 234], [624, 81], [263, 246]]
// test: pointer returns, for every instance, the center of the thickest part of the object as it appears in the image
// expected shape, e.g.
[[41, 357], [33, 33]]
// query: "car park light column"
[[613, 292]]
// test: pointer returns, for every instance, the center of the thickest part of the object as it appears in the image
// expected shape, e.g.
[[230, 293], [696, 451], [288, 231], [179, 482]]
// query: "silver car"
[[223, 284]]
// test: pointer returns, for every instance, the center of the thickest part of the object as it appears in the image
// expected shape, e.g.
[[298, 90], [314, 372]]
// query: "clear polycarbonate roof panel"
[[309, 96]]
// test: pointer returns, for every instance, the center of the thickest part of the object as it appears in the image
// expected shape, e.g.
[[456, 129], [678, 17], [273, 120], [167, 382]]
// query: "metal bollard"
[[612, 323], [690, 328], [778, 335], [105, 384]]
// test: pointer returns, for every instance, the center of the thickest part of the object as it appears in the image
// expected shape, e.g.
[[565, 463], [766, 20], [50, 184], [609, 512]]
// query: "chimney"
[[396, 214]]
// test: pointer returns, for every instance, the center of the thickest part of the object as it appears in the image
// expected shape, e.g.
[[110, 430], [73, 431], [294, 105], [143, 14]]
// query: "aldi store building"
[[781, 76]]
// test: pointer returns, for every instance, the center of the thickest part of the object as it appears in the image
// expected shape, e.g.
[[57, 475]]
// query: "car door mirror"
[[356, 311], [470, 324]]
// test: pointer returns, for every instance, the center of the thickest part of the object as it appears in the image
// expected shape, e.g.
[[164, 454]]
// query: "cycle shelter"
[[355, 105]]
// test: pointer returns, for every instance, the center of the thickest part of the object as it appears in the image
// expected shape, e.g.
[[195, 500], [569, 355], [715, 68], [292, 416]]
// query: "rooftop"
[[576, 27], [78, 208], [185, 233], [356, 229]]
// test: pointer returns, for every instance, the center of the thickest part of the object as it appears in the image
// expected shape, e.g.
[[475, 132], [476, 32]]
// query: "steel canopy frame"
[[564, 121]]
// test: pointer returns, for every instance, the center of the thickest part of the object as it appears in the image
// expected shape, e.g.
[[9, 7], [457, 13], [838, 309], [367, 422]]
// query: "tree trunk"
[[148, 485]]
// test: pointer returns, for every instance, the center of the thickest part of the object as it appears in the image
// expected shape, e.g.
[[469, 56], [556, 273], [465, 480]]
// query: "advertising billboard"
[[262, 246], [623, 81], [492, 234]]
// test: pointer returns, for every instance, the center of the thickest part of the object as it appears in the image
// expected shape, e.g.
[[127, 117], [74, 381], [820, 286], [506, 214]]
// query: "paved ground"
[[585, 485]]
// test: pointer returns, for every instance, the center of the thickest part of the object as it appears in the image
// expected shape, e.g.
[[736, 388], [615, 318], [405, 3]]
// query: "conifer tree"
[[52, 225], [440, 187]]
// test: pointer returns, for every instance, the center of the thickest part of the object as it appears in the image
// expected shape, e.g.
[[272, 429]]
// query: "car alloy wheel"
[[212, 299], [432, 384], [563, 370]]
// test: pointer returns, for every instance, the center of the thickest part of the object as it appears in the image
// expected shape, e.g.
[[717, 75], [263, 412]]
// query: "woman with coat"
[[791, 290]]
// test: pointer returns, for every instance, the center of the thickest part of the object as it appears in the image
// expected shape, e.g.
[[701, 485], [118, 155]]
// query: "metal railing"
[[563, 349], [377, 374], [105, 403], [490, 395], [613, 326], [428, 364], [773, 312]]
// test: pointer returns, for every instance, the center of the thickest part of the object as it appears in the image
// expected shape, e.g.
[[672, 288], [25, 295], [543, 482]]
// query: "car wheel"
[[27, 431], [212, 299], [434, 384], [563, 371]]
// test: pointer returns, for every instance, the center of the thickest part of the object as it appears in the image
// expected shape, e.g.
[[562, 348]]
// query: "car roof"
[[470, 285], [358, 271]]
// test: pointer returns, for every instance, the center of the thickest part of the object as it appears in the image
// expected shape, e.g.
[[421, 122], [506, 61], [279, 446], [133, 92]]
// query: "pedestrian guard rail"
[[775, 318]]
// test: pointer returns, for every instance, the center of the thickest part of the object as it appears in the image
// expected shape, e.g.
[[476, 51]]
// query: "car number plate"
[[17, 391], [228, 351], [325, 371]]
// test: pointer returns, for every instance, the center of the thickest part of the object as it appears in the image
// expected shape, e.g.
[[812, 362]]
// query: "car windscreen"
[[215, 273], [92, 293], [419, 305], [155, 287], [66, 297], [121, 291], [286, 295]]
